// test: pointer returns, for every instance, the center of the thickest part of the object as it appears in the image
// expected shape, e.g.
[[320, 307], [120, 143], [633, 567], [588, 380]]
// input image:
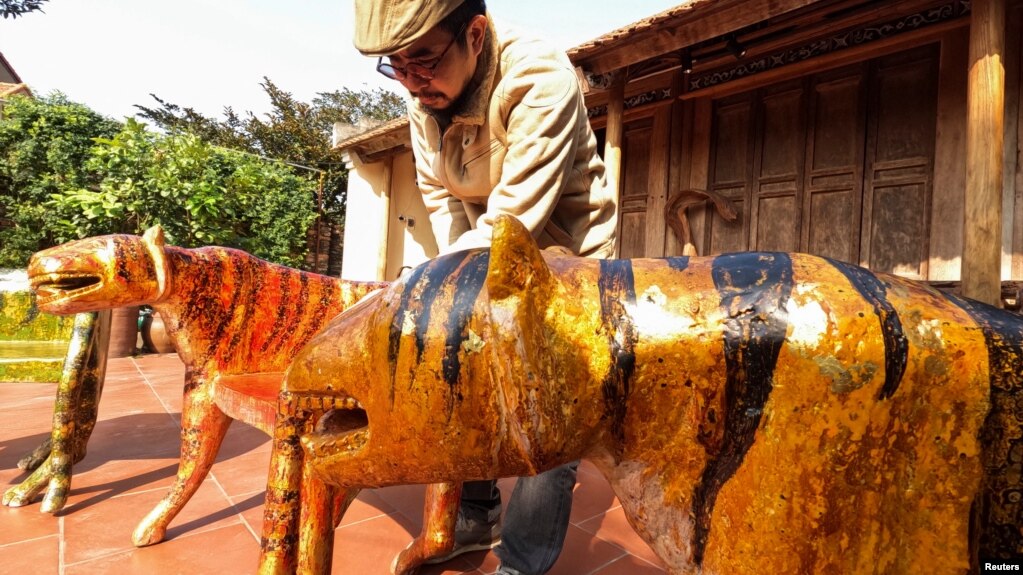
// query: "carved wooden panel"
[[838, 164], [834, 165], [900, 162], [658, 169], [778, 165], [632, 205], [731, 151]]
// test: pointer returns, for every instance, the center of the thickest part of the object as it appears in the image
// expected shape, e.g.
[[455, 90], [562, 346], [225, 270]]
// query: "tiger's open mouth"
[[60, 286], [343, 430]]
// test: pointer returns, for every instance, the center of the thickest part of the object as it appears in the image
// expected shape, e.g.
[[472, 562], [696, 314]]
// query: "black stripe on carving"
[[754, 288], [468, 285], [896, 345], [617, 290], [418, 295], [438, 272], [998, 508], [411, 281], [678, 263]]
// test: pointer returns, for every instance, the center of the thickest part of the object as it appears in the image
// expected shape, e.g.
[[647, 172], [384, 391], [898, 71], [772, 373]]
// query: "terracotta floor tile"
[[591, 498], [133, 457], [587, 468], [243, 460], [36, 556], [629, 565], [25, 523], [583, 553], [250, 506], [96, 481], [105, 529], [227, 551], [368, 547], [137, 436], [124, 397], [367, 505], [12, 450], [405, 499], [614, 528], [27, 395]]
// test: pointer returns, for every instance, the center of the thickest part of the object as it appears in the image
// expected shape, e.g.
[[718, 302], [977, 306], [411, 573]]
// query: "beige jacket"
[[523, 147]]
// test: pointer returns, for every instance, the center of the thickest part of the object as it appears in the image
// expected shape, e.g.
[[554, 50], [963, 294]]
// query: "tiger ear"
[[516, 265], [154, 242], [154, 236]]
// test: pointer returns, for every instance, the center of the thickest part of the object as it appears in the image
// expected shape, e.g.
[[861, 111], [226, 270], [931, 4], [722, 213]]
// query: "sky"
[[208, 54]]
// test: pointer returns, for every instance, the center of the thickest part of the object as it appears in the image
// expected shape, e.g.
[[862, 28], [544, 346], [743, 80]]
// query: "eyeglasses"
[[421, 71]]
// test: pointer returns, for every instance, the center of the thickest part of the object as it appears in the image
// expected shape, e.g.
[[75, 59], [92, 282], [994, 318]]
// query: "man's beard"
[[456, 106], [434, 95]]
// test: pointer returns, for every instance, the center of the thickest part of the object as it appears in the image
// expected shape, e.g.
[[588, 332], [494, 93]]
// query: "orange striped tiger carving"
[[754, 412], [232, 317]]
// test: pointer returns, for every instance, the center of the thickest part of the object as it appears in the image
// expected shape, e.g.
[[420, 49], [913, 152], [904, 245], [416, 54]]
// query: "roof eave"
[[684, 25]]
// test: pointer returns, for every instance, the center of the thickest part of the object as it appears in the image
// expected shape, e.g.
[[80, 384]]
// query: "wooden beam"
[[384, 142], [657, 184], [812, 25], [385, 210], [705, 21], [829, 61], [985, 121], [384, 154], [614, 133]]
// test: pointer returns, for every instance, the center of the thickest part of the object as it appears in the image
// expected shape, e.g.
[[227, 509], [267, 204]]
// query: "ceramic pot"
[[124, 330], [155, 338]]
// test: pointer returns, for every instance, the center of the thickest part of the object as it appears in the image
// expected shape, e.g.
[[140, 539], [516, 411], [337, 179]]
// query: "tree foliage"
[[199, 193], [15, 8], [66, 172], [43, 144], [292, 131]]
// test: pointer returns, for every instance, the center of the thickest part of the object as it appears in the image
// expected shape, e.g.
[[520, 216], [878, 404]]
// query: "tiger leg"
[[437, 537], [203, 427]]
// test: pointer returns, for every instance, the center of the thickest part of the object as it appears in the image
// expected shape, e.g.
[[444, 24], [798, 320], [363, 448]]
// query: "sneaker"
[[471, 535]]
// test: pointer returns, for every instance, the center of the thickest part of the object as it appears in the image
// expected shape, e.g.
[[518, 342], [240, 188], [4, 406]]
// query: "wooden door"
[[833, 178], [838, 164], [644, 185], [730, 172], [900, 162], [632, 215], [778, 168]]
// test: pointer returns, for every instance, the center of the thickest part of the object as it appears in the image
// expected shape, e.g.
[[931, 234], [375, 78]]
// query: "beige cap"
[[383, 27]]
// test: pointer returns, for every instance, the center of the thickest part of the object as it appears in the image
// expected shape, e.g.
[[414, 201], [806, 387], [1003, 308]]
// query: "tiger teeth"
[[321, 402]]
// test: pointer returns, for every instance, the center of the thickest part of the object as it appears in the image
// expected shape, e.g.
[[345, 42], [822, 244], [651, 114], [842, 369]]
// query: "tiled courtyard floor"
[[132, 460]]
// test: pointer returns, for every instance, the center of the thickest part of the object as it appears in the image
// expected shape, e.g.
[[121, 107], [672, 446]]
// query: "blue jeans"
[[535, 523]]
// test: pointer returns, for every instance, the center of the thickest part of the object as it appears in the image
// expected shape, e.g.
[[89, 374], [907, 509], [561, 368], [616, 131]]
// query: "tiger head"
[[101, 272]]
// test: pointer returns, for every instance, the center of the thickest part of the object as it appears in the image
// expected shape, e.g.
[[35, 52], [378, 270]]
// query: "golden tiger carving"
[[754, 412], [228, 313]]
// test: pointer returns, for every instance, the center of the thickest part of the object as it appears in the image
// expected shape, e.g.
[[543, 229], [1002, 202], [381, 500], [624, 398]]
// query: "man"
[[498, 126]]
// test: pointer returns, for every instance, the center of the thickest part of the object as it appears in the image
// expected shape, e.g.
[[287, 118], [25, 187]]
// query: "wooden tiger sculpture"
[[235, 320], [753, 412], [75, 408]]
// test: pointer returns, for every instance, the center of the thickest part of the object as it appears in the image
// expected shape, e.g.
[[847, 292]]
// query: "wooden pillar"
[[614, 132], [385, 226], [982, 235]]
